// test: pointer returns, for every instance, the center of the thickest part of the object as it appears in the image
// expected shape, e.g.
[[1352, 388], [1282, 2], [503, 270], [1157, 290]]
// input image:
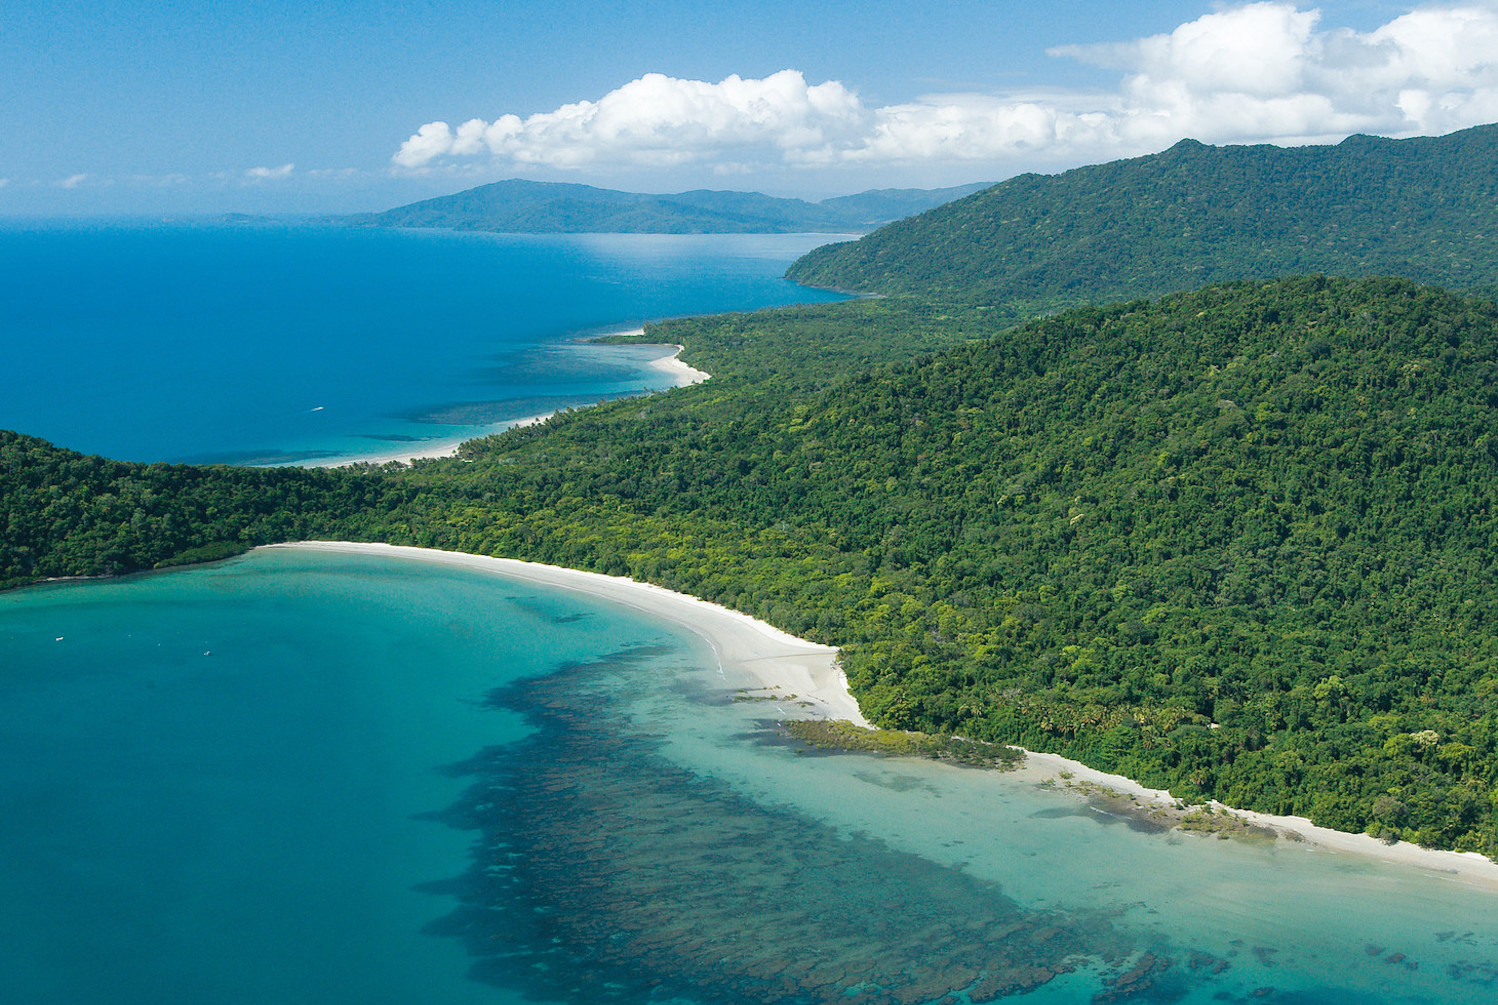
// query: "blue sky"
[[188, 107]]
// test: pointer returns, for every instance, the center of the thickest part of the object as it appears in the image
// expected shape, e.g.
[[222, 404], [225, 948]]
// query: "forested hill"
[[530, 207], [1241, 542], [1423, 208]]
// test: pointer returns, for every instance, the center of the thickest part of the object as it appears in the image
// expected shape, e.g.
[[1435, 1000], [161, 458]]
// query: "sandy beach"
[[683, 374], [763, 656], [668, 363], [445, 447], [1466, 867], [750, 653]]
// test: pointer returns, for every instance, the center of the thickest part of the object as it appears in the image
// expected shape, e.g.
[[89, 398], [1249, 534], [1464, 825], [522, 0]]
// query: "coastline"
[[680, 373], [444, 447], [748, 650], [752, 650], [1462, 866]]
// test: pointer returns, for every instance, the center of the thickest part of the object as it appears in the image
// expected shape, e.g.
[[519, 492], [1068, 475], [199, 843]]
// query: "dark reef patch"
[[605, 872]]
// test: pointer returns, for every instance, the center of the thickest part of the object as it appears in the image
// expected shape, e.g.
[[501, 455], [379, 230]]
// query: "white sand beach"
[[763, 656], [748, 650], [445, 447], [1467, 867], [683, 374], [668, 363]]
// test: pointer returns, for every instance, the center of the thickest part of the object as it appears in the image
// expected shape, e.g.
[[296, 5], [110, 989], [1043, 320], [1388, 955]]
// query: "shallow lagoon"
[[303, 776]]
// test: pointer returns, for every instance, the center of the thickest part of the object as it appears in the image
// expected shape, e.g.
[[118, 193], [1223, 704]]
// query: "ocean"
[[266, 344], [308, 777], [299, 776]]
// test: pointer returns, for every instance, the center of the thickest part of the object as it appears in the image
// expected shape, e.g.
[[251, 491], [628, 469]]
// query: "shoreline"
[[1062, 772], [746, 647], [757, 651], [681, 375], [443, 447]]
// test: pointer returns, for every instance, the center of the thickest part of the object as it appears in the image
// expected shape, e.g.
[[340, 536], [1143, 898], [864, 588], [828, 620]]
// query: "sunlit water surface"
[[302, 776], [274, 343]]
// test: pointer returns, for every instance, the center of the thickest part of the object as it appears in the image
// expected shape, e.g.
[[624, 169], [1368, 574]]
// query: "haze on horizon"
[[109, 108]]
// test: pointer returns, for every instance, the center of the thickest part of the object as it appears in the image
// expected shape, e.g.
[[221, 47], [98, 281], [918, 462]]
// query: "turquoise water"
[[299, 776], [265, 344], [217, 784], [305, 777]]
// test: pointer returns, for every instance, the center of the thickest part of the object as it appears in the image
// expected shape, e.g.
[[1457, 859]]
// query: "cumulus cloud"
[[660, 121], [1265, 71], [270, 173], [1272, 71]]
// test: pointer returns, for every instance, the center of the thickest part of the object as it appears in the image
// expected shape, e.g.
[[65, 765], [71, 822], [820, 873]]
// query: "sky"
[[186, 107]]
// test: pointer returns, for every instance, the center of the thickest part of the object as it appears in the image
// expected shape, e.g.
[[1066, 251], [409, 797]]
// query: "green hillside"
[[1239, 542], [67, 514], [1422, 208], [530, 207]]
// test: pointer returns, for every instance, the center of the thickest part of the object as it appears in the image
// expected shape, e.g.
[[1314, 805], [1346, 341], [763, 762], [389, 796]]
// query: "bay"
[[291, 344], [306, 776], [217, 784]]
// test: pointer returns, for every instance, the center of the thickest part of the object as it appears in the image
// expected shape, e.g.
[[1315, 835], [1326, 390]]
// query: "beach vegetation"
[[839, 734]]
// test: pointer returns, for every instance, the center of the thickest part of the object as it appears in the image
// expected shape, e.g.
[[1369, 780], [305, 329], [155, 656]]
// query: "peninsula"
[[1234, 543]]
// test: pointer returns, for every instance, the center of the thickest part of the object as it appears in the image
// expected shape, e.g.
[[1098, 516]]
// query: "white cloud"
[[72, 181], [269, 173], [431, 141], [660, 121], [1266, 71], [4, 182], [1271, 71]]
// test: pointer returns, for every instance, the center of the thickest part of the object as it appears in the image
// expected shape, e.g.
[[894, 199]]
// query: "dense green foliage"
[[70, 515], [531, 207], [1424, 208], [1237, 543], [838, 734]]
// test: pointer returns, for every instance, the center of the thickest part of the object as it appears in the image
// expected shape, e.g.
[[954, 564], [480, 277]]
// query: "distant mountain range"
[[530, 207], [1424, 208]]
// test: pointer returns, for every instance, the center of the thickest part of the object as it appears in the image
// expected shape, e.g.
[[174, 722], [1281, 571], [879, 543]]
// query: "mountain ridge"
[[522, 206], [1424, 208]]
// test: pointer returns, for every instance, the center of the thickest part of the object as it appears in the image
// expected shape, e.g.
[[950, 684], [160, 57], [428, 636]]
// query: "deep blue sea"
[[336, 779], [275, 344]]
